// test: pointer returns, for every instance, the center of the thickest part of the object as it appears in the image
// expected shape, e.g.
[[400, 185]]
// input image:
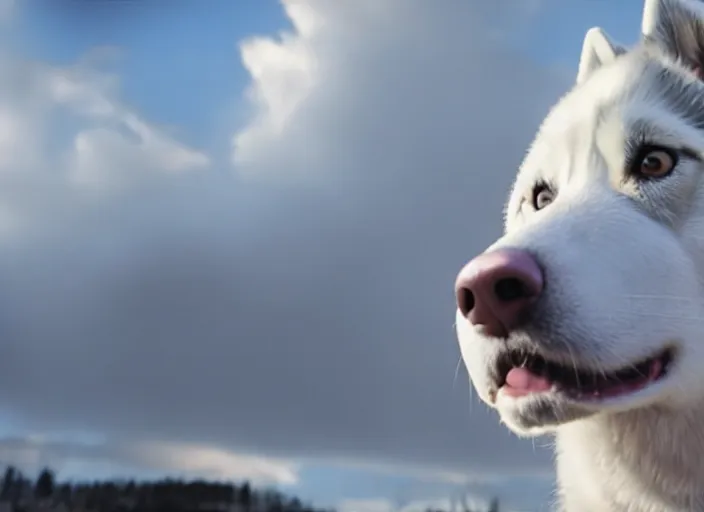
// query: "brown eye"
[[543, 195], [655, 163]]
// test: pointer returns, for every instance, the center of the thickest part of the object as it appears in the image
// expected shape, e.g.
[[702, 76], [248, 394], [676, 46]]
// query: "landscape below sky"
[[229, 233]]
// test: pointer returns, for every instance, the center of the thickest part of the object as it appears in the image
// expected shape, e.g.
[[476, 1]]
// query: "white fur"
[[624, 263], [597, 50]]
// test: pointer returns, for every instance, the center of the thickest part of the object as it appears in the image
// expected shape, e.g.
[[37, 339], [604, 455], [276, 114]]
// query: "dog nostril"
[[465, 301], [509, 289]]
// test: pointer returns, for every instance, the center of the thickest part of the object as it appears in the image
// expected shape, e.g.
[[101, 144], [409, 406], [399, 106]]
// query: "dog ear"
[[677, 27], [598, 49]]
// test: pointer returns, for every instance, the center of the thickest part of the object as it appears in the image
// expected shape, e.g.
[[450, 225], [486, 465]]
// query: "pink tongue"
[[520, 381]]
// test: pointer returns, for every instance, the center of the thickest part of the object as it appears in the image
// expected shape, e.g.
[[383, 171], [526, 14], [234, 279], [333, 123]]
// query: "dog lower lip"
[[533, 373]]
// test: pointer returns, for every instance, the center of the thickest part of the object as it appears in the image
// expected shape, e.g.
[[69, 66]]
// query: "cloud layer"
[[294, 301], [81, 459]]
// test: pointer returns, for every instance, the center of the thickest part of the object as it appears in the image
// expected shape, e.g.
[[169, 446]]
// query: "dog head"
[[592, 301]]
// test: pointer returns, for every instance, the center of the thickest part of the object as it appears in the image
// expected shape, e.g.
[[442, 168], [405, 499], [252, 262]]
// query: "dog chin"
[[541, 414]]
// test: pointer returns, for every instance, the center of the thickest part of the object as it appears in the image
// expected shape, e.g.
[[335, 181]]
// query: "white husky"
[[586, 318]]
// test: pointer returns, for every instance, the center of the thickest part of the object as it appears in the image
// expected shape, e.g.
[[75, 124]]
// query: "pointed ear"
[[677, 27], [598, 49]]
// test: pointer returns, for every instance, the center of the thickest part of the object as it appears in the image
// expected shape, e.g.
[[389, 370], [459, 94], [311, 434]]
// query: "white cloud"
[[386, 505], [47, 113], [301, 305], [79, 459], [283, 74], [369, 505], [64, 136], [214, 463]]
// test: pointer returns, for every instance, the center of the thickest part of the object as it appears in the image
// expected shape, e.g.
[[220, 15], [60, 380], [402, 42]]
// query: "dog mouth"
[[522, 373]]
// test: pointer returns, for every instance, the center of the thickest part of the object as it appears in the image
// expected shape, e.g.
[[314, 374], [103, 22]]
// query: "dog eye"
[[655, 163], [543, 195]]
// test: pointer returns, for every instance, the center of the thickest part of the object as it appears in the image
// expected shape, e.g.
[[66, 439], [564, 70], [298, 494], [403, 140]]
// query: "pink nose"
[[496, 288]]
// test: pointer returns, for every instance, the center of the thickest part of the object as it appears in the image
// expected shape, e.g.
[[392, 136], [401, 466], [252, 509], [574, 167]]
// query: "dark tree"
[[20, 487], [165, 495], [494, 505], [8, 483], [245, 497], [44, 488], [65, 493]]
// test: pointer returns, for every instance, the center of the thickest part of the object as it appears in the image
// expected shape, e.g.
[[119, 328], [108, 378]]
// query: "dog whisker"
[[658, 297], [656, 314], [457, 371]]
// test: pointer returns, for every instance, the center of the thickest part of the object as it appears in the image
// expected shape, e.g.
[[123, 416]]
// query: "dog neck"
[[649, 460]]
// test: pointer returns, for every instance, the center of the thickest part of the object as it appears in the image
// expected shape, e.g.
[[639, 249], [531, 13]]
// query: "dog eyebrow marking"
[[644, 132], [681, 96]]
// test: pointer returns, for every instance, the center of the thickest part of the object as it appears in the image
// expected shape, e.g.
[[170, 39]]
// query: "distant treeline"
[[18, 493], [45, 493]]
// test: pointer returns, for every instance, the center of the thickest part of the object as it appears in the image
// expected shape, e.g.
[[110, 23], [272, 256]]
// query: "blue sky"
[[180, 68], [180, 65], [195, 48]]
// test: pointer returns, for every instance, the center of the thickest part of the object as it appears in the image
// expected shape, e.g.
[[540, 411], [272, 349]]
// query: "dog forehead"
[[597, 115], [608, 93]]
